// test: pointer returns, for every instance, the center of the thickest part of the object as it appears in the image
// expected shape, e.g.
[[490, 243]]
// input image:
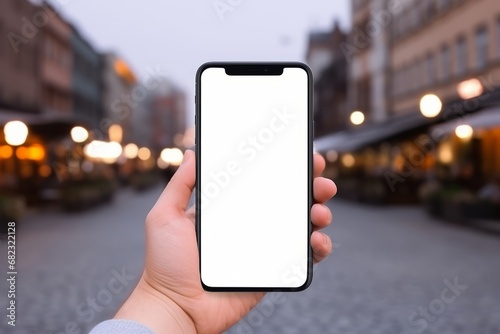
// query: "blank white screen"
[[254, 179]]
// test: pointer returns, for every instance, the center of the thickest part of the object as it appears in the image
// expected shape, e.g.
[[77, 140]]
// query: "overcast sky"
[[176, 37]]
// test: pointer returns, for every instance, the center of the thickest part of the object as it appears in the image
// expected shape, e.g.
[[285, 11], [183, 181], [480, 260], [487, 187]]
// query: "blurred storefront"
[[66, 116], [424, 95]]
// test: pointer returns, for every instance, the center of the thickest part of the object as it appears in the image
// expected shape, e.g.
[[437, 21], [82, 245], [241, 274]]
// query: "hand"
[[169, 297]]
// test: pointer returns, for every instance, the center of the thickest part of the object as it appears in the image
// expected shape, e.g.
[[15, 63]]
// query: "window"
[[431, 70], [2, 48], [410, 79], [445, 62], [404, 80], [395, 78], [481, 48], [498, 38], [415, 75], [461, 56]]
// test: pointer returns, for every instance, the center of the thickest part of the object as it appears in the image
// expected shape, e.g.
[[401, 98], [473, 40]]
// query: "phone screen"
[[254, 146]]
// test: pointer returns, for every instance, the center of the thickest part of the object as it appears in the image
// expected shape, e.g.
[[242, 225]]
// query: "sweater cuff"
[[120, 326]]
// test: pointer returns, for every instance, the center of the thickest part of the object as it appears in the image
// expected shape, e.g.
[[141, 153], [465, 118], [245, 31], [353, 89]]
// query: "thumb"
[[176, 195]]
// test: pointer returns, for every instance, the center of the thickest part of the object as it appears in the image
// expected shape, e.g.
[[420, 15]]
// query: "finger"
[[324, 189], [321, 216], [178, 191], [319, 164], [321, 245]]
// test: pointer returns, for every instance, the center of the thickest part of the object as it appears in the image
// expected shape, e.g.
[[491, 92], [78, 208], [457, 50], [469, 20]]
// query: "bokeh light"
[[15, 133], [464, 131], [357, 118], [430, 105], [144, 153], [79, 134], [131, 150]]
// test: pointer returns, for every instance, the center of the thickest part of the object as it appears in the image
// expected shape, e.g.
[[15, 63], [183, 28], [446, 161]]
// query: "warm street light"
[[172, 156], [108, 152], [430, 105], [131, 150], [79, 134], [115, 132], [469, 89], [357, 118], [15, 133], [332, 156], [464, 131], [144, 153], [445, 153], [348, 160], [6, 152], [36, 152]]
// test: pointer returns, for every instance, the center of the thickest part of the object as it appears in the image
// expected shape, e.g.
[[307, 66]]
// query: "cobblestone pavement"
[[394, 270]]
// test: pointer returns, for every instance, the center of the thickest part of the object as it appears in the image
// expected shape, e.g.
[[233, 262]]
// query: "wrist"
[[156, 311]]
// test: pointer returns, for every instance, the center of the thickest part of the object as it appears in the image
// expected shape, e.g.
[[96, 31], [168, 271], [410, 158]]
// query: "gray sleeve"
[[120, 326]]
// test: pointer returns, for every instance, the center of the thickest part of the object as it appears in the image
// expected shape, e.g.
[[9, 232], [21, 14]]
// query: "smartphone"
[[254, 137]]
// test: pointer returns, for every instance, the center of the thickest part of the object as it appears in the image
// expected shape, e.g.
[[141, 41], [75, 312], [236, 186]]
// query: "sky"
[[173, 38]]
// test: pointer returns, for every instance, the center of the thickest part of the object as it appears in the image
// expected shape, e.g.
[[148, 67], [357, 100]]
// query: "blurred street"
[[75, 270]]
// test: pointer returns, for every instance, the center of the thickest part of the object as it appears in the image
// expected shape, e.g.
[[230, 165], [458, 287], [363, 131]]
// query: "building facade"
[[452, 49], [56, 63], [86, 81], [329, 66], [367, 52], [119, 100], [19, 57], [425, 74], [437, 44], [168, 115]]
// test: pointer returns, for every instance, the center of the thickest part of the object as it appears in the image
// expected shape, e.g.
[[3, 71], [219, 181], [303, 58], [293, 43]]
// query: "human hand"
[[169, 297]]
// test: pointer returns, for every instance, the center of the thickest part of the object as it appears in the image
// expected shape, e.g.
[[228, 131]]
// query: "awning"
[[370, 134], [483, 119], [47, 125]]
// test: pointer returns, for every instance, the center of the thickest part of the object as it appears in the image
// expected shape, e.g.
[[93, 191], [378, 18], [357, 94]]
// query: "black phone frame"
[[255, 68]]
